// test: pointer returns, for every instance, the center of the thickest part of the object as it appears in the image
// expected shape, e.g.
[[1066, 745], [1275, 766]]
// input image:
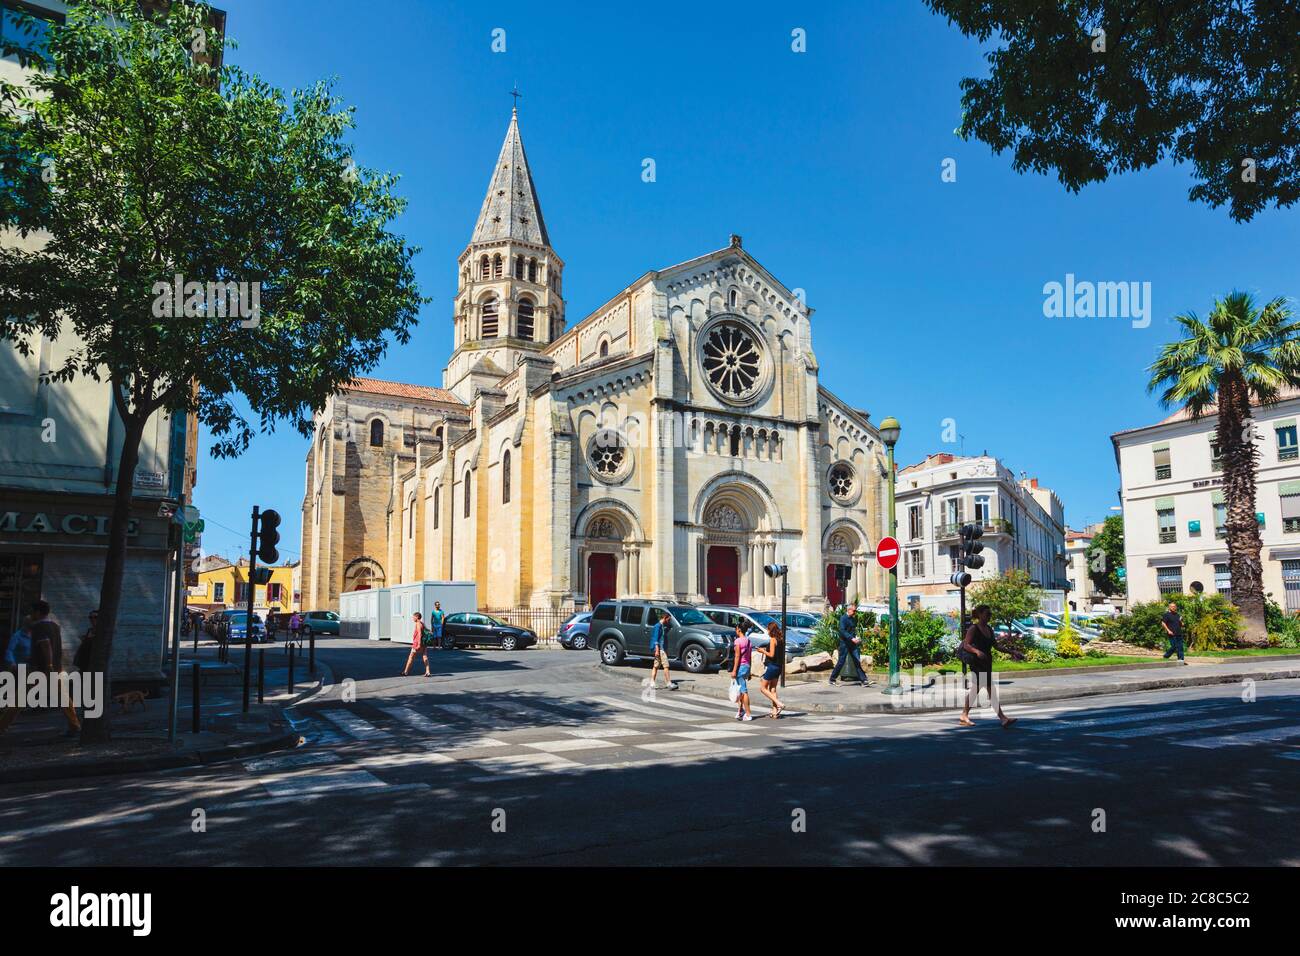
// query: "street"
[[534, 758]]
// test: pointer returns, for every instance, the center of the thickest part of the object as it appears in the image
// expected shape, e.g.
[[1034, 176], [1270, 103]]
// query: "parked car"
[[574, 633], [621, 629], [471, 628], [235, 623], [316, 622], [755, 623]]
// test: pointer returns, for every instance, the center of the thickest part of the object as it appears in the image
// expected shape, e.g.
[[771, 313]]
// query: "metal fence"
[[544, 621]]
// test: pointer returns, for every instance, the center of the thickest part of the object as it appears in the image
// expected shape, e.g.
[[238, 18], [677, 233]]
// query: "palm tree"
[[1242, 355]]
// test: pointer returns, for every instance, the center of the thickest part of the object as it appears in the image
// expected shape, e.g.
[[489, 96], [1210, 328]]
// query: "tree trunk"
[[98, 729], [1237, 447]]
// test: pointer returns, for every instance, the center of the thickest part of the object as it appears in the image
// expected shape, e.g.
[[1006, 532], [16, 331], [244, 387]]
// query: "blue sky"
[[928, 296]]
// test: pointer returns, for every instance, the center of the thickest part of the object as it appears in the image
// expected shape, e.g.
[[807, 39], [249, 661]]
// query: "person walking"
[[850, 646], [976, 650], [659, 649], [775, 654], [436, 617], [741, 652], [417, 644], [295, 625], [1172, 622], [46, 657]]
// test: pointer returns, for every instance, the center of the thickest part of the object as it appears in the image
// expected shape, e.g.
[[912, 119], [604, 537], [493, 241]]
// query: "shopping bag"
[[733, 692]]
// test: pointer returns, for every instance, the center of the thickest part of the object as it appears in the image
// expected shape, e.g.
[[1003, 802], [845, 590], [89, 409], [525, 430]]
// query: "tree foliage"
[[1105, 556], [138, 158], [1009, 596], [1087, 89]]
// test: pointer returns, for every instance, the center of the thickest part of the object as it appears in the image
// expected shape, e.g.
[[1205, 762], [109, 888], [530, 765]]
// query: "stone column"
[[622, 574], [634, 554]]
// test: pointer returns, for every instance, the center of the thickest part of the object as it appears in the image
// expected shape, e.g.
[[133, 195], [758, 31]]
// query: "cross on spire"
[[516, 94]]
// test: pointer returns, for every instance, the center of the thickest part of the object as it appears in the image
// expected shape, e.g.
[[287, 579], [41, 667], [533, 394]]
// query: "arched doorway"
[[602, 577], [846, 564], [837, 576]]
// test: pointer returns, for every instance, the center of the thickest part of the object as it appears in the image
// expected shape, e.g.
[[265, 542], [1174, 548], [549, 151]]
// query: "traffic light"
[[969, 555], [268, 536], [775, 570]]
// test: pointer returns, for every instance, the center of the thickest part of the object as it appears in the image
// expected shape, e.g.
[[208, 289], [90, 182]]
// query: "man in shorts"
[[659, 649]]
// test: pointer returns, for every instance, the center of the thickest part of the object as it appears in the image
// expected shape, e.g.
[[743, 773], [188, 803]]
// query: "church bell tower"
[[509, 295]]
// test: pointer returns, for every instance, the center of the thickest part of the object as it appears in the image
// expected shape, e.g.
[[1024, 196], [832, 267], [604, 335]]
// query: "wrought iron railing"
[[543, 621]]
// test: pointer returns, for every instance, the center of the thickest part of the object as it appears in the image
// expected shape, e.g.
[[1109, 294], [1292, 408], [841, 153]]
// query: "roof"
[[1285, 394], [930, 461], [425, 393], [510, 208]]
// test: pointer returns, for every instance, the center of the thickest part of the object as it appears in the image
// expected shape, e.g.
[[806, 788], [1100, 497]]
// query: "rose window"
[[608, 456], [733, 361], [842, 482]]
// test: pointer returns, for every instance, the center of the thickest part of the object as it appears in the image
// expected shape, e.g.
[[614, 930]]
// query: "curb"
[[126, 765], [194, 758], [887, 706]]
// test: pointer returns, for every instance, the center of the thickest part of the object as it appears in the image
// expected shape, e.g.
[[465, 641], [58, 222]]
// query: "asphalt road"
[[531, 757]]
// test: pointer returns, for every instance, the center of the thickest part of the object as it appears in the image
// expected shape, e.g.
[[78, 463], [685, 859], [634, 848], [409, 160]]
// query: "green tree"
[[1105, 556], [143, 157], [1241, 355], [1093, 88], [1009, 596]]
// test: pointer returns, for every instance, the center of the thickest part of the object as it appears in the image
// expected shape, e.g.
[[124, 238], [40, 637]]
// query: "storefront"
[[52, 546]]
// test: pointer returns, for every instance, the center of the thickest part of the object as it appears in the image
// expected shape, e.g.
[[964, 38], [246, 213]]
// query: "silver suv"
[[756, 622]]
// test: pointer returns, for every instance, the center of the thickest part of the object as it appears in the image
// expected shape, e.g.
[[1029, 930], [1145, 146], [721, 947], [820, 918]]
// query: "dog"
[[127, 700]]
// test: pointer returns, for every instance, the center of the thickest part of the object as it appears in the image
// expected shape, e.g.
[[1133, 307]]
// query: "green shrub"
[[1283, 628], [1209, 623], [1037, 655], [1094, 652], [920, 636]]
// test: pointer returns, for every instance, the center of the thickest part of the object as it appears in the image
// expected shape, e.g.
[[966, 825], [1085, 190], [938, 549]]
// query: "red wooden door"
[[834, 590], [602, 578], [724, 576]]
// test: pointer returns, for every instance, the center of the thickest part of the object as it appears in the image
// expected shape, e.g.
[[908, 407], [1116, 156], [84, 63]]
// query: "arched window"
[[377, 433], [735, 439], [732, 302], [604, 349], [490, 318], [524, 327], [467, 493], [519, 267], [532, 270], [437, 506], [410, 530], [496, 266], [484, 268], [505, 478]]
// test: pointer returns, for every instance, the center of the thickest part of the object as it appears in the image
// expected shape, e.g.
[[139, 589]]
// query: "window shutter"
[[1289, 492], [1164, 504], [1161, 452], [1218, 498]]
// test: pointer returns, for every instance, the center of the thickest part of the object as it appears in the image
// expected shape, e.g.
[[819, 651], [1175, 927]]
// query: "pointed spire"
[[510, 209]]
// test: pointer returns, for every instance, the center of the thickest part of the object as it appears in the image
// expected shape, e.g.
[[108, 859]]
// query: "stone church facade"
[[666, 446]]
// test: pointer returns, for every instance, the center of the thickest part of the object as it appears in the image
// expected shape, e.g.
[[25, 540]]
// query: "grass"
[[1248, 652]]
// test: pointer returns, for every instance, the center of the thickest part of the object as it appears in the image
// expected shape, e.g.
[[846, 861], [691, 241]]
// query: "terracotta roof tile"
[[402, 390]]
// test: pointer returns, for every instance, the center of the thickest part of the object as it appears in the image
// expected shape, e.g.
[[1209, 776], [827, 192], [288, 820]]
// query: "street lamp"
[[781, 572], [889, 431]]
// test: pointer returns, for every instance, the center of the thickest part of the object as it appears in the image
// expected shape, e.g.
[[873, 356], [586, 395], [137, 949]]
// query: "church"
[[667, 446]]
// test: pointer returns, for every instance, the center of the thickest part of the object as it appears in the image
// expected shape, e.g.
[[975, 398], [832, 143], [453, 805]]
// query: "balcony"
[[952, 531]]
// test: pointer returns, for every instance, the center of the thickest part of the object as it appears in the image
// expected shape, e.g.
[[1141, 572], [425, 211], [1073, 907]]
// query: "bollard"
[[312, 652], [194, 678], [261, 675], [291, 668]]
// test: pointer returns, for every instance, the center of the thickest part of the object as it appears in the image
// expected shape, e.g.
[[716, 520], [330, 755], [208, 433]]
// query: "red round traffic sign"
[[887, 552]]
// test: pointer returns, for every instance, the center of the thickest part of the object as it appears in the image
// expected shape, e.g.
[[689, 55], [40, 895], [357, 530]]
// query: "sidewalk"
[[1014, 687], [35, 749]]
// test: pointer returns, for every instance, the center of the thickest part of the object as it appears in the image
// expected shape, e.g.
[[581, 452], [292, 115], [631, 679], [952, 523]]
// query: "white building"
[[1083, 592], [1171, 488], [1024, 524]]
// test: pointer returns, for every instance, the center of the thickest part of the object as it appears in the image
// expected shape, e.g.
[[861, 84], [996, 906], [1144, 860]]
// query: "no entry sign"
[[887, 553]]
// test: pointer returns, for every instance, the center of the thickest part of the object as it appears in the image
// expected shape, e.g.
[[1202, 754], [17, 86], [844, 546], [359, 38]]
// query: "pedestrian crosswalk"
[[370, 744]]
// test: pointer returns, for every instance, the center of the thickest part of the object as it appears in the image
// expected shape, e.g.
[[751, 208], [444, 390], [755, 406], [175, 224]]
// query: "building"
[[1171, 490], [59, 451], [223, 584], [1083, 592], [667, 445], [1023, 523]]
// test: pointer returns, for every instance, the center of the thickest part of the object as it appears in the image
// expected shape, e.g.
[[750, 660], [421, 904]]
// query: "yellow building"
[[224, 584]]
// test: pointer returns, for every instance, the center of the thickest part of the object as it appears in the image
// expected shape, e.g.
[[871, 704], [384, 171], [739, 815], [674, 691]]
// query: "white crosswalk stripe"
[[650, 710], [1268, 735], [354, 725], [1152, 730]]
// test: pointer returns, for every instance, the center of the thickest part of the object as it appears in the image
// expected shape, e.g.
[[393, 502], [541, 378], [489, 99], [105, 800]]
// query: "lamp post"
[[889, 431]]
